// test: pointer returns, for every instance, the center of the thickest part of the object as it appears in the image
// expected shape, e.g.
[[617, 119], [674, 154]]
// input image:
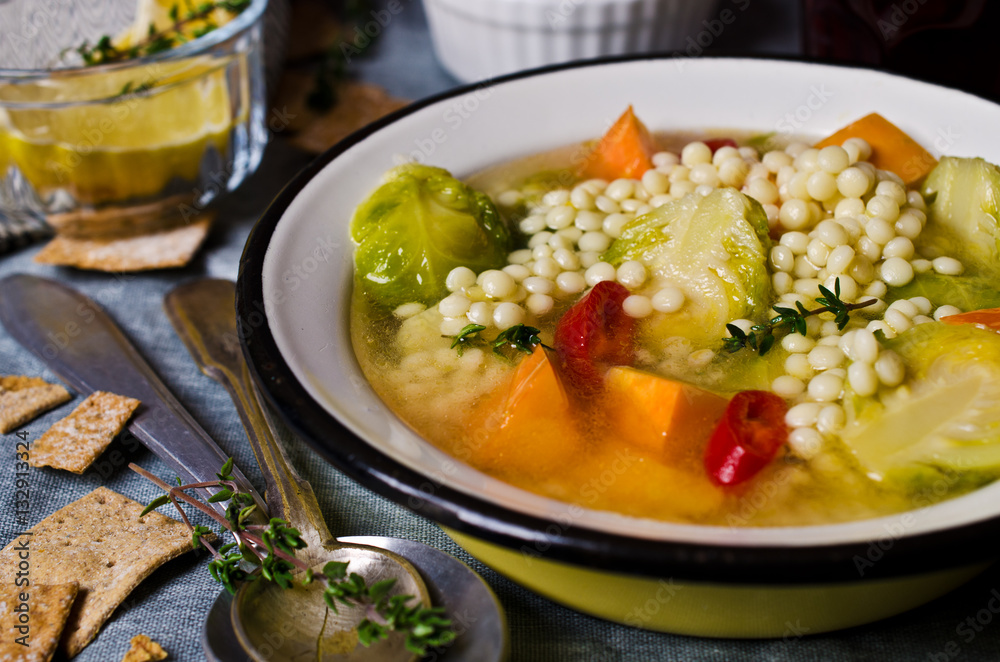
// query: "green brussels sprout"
[[968, 292], [418, 226], [963, 214], [943, 427], [714, 248]]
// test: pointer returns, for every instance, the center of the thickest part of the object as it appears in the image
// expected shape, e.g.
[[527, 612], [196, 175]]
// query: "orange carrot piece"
[[528, 427], [667, 417], [892, 149], [987, 318], [535, 391], [626, 150]]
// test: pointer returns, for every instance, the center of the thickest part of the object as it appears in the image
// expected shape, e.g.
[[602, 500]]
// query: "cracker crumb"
[[144, 649]]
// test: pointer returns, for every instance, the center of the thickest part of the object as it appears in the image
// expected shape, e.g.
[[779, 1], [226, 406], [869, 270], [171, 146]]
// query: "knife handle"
[[81, 344]]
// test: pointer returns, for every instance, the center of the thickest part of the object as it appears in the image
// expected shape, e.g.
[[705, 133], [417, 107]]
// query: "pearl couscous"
[[835, 222]]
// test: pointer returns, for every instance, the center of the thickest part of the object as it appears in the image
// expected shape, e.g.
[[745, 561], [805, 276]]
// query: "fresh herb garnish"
[[761, 337], [104, 51], [272, 549], [517, 338], [468, 336]]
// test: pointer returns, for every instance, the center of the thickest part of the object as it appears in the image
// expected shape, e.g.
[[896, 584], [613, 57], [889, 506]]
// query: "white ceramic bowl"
[[479, 39], [295, 285]]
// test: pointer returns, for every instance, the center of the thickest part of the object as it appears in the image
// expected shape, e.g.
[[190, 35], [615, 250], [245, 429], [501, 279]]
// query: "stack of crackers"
[[60, 581], [79, 564]]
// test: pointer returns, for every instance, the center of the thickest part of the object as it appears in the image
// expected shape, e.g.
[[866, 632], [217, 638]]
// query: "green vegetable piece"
[[714, 248], [943, 429], [419, 225], [965, 291], [963, 216]]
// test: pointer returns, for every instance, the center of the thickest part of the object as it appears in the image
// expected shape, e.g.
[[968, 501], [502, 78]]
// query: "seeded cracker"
[[144, 649], [47, 610], [100, 542], [157, 250], [24, 398], [74, 442]]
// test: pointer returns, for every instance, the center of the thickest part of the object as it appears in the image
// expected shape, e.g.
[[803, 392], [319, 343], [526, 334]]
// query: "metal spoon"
[[202, 312]]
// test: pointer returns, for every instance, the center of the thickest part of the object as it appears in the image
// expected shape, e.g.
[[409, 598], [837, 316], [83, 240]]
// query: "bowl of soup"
[[689, 344]]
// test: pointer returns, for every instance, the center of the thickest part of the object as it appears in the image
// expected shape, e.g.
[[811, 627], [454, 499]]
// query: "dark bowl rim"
[[889, 556]]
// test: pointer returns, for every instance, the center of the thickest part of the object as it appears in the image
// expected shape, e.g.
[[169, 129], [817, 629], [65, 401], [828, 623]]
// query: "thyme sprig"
[[761, 337], [272, 548], [517, 338], [156, 41]]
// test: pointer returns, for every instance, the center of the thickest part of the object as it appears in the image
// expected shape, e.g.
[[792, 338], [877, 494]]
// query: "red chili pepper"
[[715, 143], [594, 335], [747, 437]]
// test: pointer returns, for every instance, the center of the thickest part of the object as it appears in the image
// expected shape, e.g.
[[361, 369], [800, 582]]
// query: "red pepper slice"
[[715, 143], [747, 437], [594, 335]]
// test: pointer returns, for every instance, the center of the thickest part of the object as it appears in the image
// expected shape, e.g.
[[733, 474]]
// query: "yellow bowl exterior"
[[716, 610]]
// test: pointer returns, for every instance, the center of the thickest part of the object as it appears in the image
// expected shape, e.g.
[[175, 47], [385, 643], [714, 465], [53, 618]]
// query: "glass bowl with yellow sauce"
[[142, 135]]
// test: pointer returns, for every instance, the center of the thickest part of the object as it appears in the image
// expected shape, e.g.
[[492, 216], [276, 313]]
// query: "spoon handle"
[[81, 344], [203, 313]]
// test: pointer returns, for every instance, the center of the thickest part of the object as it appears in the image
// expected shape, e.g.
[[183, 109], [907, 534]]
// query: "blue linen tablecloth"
[[171, 605]]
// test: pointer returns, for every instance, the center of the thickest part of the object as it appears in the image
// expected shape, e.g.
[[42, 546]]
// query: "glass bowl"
[[119, 146]]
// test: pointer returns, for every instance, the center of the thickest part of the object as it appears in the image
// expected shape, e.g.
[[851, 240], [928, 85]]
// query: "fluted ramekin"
[[480, 39]]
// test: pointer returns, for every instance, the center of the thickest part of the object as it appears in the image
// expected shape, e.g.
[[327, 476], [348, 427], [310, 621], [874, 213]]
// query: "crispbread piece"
[[162, 249], [23, 398], [48, 608], [144, 649], [101, 542], [18, 382], [73, 443]]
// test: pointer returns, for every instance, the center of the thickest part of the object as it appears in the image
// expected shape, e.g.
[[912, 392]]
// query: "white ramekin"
[[480, 39]]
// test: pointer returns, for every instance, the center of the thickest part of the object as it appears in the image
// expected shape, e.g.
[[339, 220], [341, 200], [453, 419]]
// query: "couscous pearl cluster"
[[841, 223]]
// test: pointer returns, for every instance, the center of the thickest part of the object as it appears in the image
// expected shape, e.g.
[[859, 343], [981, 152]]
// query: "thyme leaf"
[[762, 337], [517, 338]]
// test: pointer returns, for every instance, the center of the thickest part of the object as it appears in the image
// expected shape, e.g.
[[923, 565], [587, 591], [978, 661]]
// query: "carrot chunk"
[[892, 149], [626, 150], [667, 417], [987, 318], [528, 427]]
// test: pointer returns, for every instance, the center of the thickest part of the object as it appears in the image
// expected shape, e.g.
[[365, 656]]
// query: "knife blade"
[[84, 347]]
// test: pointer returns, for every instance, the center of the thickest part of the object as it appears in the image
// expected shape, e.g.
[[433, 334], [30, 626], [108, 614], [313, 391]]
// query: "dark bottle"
[[952, 42]]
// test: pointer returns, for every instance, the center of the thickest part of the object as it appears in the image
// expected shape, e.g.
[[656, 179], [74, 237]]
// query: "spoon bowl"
[[202, 312], [319, 633]]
